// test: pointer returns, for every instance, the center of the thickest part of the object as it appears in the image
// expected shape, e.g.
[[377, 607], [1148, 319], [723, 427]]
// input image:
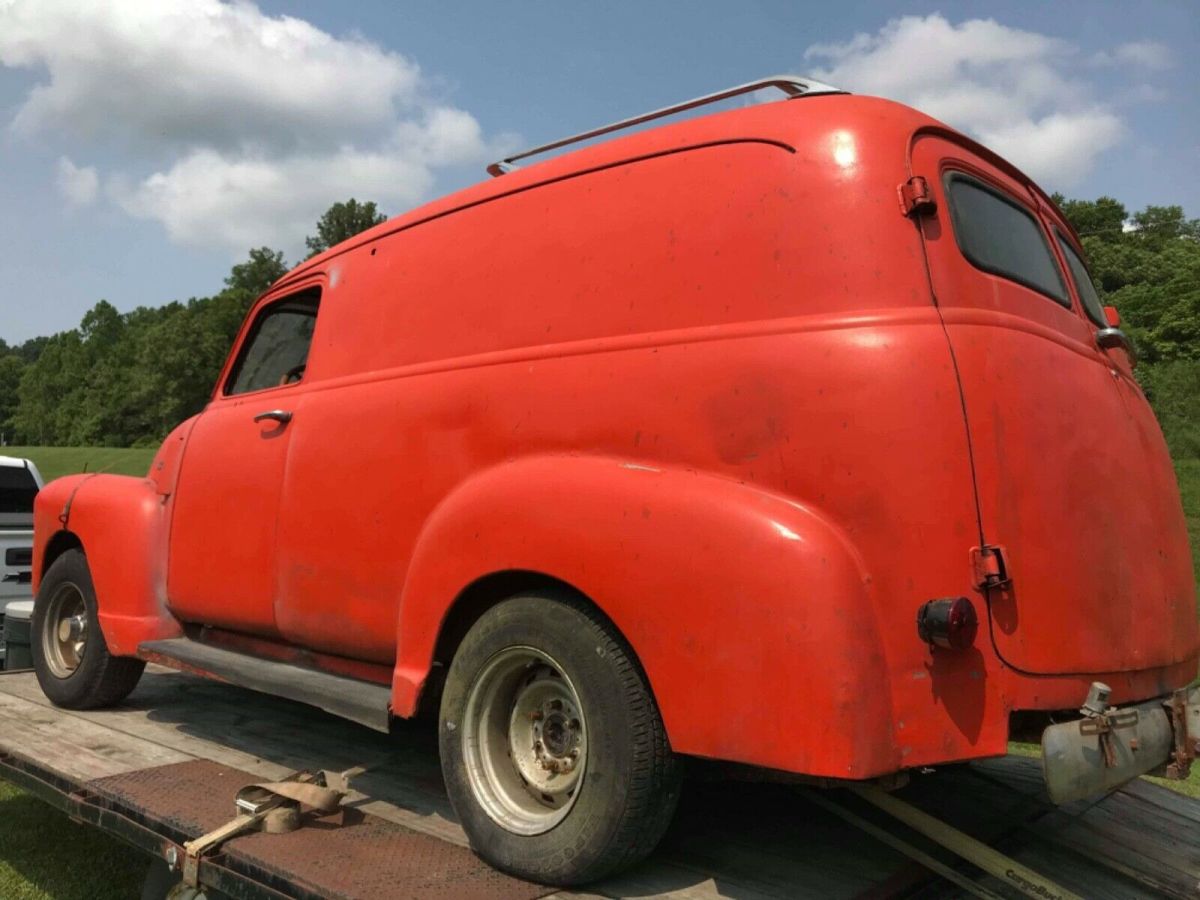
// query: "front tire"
[[70, 655], [553, 751]]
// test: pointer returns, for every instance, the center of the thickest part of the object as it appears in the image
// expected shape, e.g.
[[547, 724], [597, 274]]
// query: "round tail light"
[[950, 623]]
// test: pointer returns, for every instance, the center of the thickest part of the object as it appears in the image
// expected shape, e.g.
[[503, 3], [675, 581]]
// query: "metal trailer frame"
[[179, 732]]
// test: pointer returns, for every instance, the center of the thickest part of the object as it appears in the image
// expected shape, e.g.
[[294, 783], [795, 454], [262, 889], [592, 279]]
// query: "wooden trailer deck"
[[173, 755]]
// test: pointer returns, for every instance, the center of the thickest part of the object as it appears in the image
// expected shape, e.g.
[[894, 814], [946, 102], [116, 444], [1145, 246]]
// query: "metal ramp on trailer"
[[164, 767]]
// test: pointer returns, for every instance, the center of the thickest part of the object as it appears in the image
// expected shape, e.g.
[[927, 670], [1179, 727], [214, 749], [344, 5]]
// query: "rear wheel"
[[70, 656], [552, 746]]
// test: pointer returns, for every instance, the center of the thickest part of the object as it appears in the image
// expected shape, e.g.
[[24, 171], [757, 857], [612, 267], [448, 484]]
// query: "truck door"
[[221, 568], [1073, 479]]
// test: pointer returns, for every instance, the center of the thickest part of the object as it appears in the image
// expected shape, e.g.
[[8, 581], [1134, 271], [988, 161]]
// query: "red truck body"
[[735, 381]]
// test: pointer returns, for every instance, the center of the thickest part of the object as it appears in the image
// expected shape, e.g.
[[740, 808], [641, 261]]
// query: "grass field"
[[46, 856], [55, 461], [33, 836]]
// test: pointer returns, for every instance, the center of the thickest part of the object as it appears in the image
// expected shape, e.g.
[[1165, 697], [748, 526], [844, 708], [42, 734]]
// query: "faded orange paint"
[[698, 374]]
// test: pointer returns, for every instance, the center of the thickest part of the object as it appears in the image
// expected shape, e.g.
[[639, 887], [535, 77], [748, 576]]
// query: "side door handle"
[[282, 416]]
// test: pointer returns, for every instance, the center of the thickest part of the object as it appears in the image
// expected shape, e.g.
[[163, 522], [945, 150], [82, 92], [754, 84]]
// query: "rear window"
[[17, 490], [999, 236], [1083, 283]]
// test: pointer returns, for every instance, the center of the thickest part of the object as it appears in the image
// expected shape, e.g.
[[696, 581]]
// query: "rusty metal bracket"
[[915, 197], [989, 567], [1186, 745], [1104, 725]]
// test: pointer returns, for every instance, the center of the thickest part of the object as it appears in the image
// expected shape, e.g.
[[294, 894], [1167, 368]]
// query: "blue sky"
[[144, 147]]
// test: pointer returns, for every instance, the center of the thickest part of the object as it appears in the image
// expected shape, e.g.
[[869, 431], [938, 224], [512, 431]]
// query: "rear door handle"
[[282, 416], [1114, 338]]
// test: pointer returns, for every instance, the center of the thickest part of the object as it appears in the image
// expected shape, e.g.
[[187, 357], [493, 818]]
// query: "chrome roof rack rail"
[[792, 85]]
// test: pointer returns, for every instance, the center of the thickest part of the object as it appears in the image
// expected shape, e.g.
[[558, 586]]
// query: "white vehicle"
[[19, 483]]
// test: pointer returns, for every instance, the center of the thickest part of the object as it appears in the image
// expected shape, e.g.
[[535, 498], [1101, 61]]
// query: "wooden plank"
[[78, 749], [1088, 880], [1029, 882], [1099, 851], [730, 839], [913, 852], [271, 738], [172, 715], [1145, 791]]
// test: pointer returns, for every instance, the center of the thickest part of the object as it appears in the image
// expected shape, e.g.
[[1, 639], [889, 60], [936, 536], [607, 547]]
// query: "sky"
[[147, 145]]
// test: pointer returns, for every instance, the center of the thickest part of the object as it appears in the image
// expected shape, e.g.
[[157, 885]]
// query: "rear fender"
[[122, 524], [749, 612]]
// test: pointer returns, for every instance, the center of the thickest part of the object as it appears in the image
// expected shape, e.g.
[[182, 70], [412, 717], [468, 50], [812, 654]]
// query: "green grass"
[[45, 856], [55, 461]]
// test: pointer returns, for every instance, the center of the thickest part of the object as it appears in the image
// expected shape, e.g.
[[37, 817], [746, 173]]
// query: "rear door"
[[1072, 475]]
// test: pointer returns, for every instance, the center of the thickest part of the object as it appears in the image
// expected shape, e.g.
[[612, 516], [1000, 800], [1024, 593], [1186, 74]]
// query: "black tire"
[[630, 779], [98, 679]]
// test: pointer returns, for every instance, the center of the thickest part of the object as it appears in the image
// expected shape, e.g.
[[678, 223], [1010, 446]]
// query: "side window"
[[276, 350], [1083, 283], [1000, 236]]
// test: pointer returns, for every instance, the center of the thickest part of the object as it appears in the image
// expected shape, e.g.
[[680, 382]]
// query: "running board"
[[359, 701]]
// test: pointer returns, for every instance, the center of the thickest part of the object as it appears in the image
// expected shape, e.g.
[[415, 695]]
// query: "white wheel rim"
[[65, 630], [524, 740]]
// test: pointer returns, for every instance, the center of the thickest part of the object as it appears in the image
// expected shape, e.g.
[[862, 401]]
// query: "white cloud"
[[1137, 54], [237, 128], [241, 200], [198, 71], [78, 184], [1016, 91]]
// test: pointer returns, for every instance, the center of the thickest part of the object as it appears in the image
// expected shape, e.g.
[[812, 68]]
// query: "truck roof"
[[758, 120], [713, 128]]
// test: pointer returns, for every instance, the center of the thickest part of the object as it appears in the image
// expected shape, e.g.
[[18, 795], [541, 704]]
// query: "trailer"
[[163, 770]]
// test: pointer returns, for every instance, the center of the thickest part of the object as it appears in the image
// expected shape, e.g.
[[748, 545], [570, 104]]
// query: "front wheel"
[[70, 656], [552, 747]]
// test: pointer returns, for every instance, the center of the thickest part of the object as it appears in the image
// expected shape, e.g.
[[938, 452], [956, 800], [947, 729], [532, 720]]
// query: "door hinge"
[[915, 197], [989, 566]]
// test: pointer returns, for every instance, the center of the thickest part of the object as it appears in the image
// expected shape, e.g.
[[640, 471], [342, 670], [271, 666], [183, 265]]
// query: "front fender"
[[122, 524], [750, 613]]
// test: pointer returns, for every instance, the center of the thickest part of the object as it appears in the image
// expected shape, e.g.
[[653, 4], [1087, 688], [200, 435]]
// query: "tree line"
[[1148, 266], [126, 379]]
